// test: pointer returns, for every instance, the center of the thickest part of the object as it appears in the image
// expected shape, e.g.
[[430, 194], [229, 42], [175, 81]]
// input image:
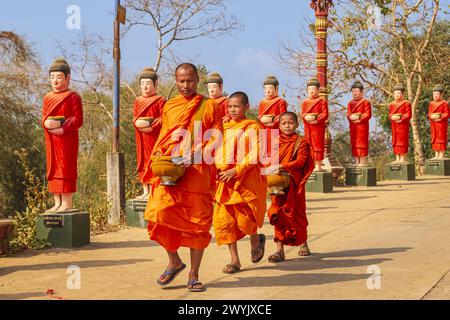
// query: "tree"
[[180, 20]]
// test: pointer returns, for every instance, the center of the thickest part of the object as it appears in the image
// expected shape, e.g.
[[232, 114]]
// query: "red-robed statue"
[[215, 91], [147, 119], [438, 113], [314, 114], [359, 112], [400, 115], [62, 116]]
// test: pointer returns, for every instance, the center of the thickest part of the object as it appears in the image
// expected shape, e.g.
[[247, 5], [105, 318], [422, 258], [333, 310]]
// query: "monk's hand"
[[273, 169], [57, 131], [227, 175], [270, 125], [52, 124], [185, 161], [146, 129]]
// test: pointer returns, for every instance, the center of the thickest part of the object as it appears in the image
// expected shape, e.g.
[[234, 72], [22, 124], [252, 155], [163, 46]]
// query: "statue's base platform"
[[7, 228], [437, 167], [320, 181], [134, 210], [64, 230], [401, 171], [361, 176]]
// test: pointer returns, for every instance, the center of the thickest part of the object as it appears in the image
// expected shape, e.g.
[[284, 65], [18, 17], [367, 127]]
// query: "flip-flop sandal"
[[304, 250], [276, 257], [193, 283], [172, 273], [231, 268], [259, 253]]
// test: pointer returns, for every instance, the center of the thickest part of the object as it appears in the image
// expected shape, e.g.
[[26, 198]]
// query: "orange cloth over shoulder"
[[288, 212], [146, 107], [62, 151], [240, 204], [181, 215]]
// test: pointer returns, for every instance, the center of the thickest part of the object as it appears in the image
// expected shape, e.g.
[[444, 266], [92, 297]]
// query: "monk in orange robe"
[[62, 116], [287, 212], [269, 112], [315, 115], [240, 201], [400, 115], [438, 113], [359, 113], [181, 215], [147, 122], [215, 90]]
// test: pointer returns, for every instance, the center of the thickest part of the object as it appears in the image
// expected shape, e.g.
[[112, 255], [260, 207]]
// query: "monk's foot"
[[232, 267], [304, 250], [194, 285], [171, 273], [277, 257], [257, 252], [53, 209]]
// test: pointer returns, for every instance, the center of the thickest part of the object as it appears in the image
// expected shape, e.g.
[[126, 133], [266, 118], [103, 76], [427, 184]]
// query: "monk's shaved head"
[[289, 114], [185, 66], [241, 95]]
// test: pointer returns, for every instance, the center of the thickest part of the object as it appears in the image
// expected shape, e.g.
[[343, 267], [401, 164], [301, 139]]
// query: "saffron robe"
[[400, 131], [359, 132], [287, 213], [240, 204], [439, 128], [146, 107], [315, 133], [62, 151], [181, 215]]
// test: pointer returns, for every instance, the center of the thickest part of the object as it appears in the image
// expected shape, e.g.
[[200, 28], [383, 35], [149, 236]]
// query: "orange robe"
[[146, 107], [400, 131], [439, 128], [222, 106], [274, 106], [288, 212], [315, 133], [62, 151], [359, 132], [240, 204], [181, 215]]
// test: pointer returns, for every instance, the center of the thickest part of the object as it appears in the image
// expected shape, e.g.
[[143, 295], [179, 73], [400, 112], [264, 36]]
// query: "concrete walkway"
[[385, 242]]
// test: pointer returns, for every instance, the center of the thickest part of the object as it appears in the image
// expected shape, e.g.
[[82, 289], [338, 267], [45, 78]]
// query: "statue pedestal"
[[320, 181], [437, 167], [64, 230], [135, 213], [361, 176], [6, 233], [401, 171]]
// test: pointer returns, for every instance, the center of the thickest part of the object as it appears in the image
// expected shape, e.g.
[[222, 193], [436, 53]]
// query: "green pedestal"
[[65, 230], [135, 213], [438, 167], [402, 171], [320, 181], [361, 176]]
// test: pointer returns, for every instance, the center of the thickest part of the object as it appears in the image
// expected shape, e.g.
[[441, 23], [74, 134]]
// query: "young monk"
[[149, 104], [61, 136], [181, 215], [240, 202], [287, 212]]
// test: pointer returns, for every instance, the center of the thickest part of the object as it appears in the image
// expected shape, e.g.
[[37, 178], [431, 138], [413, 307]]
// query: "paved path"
[[399, 229]]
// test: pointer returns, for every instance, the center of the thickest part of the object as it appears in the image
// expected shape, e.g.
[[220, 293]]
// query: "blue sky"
[[243, 58]]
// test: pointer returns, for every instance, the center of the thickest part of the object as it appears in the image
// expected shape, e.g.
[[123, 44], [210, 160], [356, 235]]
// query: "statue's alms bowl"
[[61, 119], [357, 114], [396, 116], [267, 118], [311, 116], [144, 122], [166, 168], [435, 116], [278, 182]]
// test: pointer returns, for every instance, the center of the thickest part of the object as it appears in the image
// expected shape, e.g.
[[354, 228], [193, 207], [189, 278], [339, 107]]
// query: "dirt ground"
[[384, 242]]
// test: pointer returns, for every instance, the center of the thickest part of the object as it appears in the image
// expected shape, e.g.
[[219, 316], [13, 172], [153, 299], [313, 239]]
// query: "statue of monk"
[[400, 115], [315, 114], [147, 123], [62, 116], [438, 113], [359, 113], [215, 91]]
